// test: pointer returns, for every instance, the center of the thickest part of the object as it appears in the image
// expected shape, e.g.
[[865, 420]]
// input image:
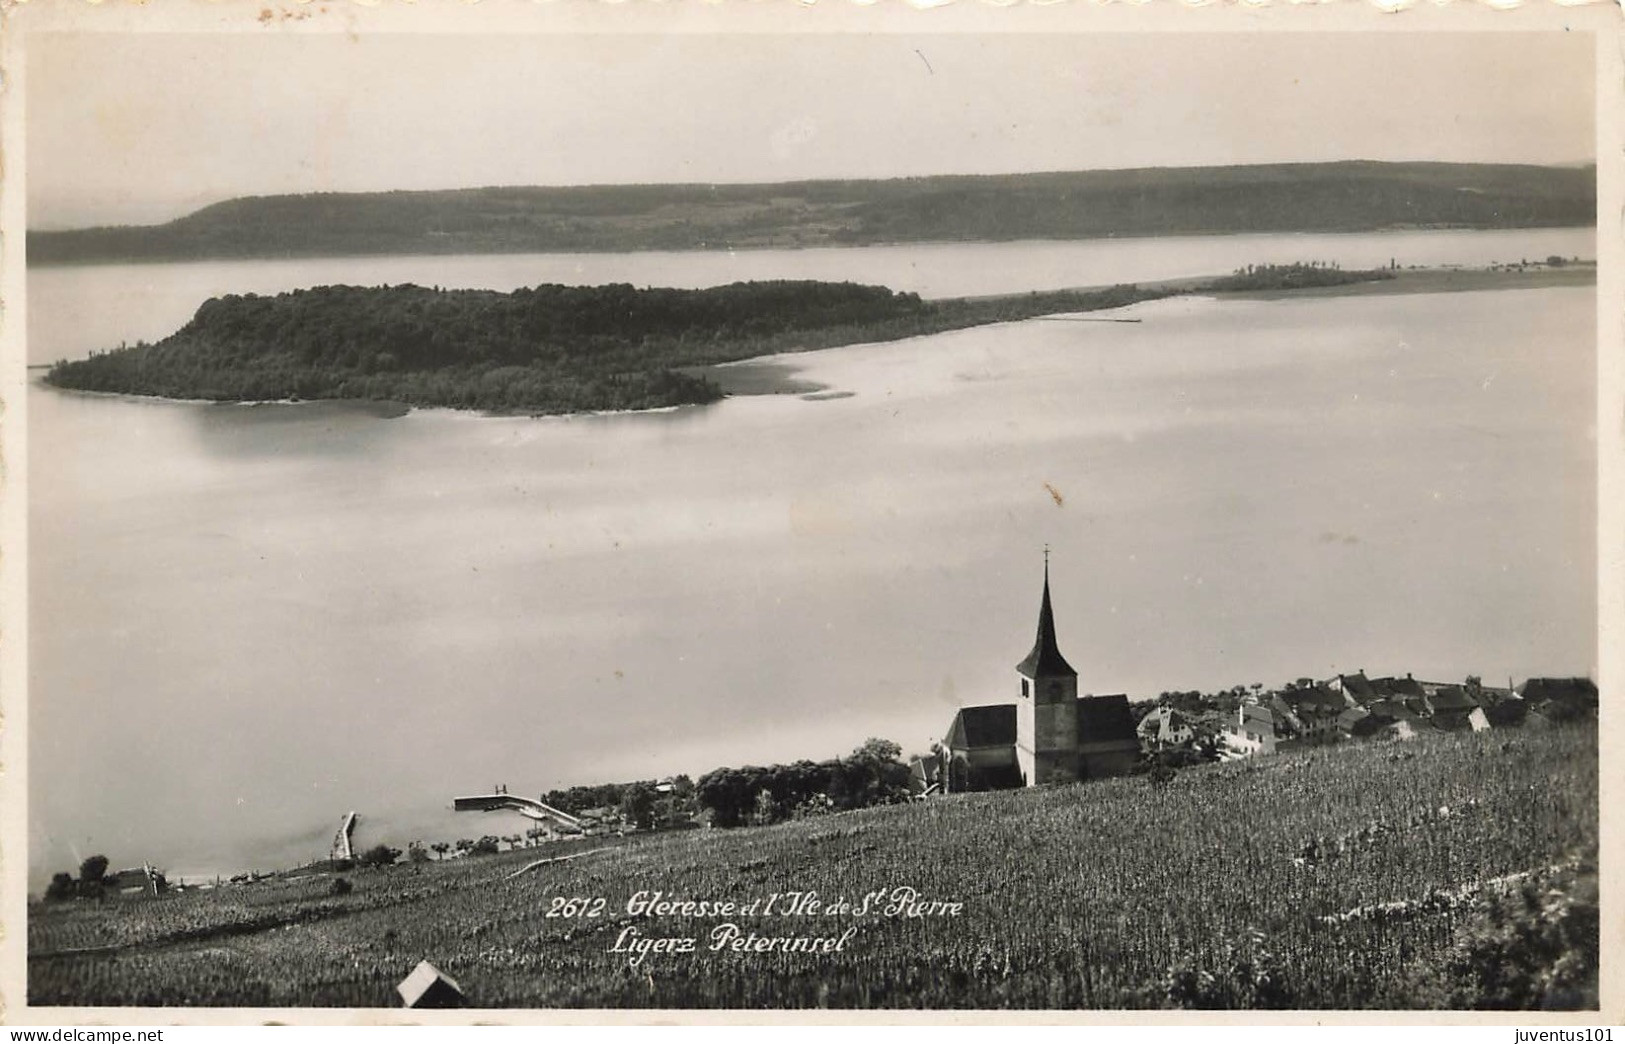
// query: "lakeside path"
[[775, 375]]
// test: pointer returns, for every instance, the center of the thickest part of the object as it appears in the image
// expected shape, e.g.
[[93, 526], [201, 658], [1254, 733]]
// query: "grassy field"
[[1349, 877]]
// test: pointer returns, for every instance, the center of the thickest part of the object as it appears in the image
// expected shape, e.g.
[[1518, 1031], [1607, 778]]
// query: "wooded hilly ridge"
[[1325, 197]]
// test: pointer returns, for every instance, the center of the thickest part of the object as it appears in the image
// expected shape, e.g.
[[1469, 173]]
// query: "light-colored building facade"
[[1251, 734]]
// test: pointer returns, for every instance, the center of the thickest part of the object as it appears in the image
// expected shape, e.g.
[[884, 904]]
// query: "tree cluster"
[[1297, 276], [873, 774], [92, 882], [379, 856], [644, 804]]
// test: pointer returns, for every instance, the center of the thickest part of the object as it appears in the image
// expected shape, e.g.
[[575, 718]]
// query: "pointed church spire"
[[1046, 660]]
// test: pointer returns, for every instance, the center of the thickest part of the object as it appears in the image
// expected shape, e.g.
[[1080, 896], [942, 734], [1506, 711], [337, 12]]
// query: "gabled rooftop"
[[1356, 685], [1317, 701], [1403, 688], [1105, 719], [1452, 698], [1582, 691], [989, 726]]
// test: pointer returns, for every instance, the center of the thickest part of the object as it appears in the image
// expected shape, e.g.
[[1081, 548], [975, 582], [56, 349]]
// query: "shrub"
[[60, 888], [380, 855], [1534, 950], [1245, 975]]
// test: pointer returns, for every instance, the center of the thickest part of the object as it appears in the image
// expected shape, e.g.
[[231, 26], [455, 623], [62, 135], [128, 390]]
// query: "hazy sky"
[[136, 128]]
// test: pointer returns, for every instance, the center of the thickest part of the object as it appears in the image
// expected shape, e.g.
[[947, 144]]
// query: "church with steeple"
[[1051, 735]]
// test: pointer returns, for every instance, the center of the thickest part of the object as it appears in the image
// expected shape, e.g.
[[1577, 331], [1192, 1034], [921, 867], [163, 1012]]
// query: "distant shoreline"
[[783, 243], [1349, 196]]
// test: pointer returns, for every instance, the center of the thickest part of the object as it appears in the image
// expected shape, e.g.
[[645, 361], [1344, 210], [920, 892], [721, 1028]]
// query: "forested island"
[[557, 349], [1354, 196], [547, 349]]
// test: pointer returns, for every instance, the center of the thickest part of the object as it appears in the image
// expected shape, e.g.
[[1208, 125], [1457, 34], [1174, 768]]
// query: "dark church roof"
[[1105, 718], [1101, 719], [992, 726], [1046, 661]]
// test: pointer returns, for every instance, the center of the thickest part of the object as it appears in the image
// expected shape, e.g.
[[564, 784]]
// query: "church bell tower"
[[1047, 715]]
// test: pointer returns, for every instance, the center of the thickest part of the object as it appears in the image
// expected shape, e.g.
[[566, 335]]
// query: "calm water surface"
[[247, 621]]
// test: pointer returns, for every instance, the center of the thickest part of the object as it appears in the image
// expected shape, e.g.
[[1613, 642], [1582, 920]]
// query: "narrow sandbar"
[[1444, 280], [769, 376]]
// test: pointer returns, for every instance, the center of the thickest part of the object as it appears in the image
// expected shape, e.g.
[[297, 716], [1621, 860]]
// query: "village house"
[[1406, 690], [1287, 722], [136, 880], [1507, 713], [1489, 695], [1355, 687], [1560, 699], [1362, 690], [1472, 720], [1316, 710], [1165, 729], [1445, 705], [1360, 723], [1257, 730], [1407, 686], [1052, 735], [1448, 699], [1391, 710]]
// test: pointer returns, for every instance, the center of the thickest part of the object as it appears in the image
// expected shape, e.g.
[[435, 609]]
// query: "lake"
[[249, 620]]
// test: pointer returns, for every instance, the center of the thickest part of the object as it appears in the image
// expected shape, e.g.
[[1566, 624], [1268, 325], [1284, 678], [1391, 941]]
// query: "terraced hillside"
[[1451, 871]]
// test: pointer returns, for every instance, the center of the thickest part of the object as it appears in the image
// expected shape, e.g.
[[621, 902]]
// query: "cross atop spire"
[[1045, 660]]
